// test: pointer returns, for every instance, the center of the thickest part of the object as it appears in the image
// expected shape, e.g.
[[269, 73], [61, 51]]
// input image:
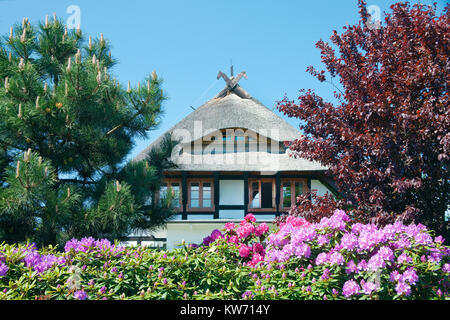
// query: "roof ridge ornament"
[[232, 85]]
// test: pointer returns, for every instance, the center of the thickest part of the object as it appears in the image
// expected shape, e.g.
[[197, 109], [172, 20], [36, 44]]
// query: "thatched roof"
[[248, 161], [235, 108]]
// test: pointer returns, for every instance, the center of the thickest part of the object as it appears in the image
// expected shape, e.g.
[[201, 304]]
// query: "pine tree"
[[66, 127]]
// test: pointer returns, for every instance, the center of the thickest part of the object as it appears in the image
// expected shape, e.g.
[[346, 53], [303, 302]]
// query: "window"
[[261, 194], [175, 188], [286, 194], [290, 190], [200, 195], [235, 140], [255, 201]]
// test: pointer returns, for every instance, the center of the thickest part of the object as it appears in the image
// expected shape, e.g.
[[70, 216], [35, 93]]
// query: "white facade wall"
[[231, 192], [190, 232], [319, 187], [193, 232], [231, 214]]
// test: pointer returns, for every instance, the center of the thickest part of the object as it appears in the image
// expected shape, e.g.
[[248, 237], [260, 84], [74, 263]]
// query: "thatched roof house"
[[232, 160]]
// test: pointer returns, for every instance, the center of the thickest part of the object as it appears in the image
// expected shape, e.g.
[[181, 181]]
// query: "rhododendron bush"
[[330, 259]]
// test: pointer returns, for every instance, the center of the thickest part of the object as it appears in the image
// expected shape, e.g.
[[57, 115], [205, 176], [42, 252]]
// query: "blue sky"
[[188, 41]]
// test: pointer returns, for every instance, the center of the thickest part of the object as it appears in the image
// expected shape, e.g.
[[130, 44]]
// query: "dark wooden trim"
[[197, 213], [184, 194], [216, 195], [231, 177], [246, 197], [308, 182], [264, 213], [200, 176], [257, 176], [144, 238], [277, 192], [231, 207]]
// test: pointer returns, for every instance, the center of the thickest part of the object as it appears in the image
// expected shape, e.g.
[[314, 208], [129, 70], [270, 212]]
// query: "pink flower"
[[233, 239], [244, 251], [255, 259], [250, 217], [258, 248], [261, 229], [296, 222], [230, 226], [245, 230]]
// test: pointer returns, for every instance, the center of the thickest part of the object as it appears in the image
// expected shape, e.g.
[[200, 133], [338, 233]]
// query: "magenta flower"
[[230, 226], [261, 229], [244, 251], [258, 248], [245, 230], [295, 222], [233, 239], [256, 258], [250, 217]]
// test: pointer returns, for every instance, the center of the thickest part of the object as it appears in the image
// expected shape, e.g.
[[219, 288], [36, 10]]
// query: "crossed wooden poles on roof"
[[232, 85]]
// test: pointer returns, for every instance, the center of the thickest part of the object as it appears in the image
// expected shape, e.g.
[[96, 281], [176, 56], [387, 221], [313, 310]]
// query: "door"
[[266, 195]]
